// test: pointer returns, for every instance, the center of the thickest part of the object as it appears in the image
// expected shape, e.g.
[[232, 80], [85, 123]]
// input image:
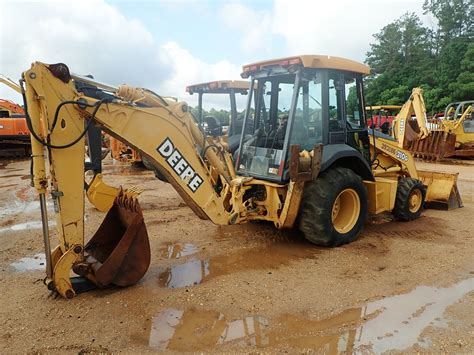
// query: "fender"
[[346, 156]]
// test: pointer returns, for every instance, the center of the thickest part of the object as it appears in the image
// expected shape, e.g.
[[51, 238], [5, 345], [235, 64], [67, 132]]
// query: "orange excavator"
[[14, 133]]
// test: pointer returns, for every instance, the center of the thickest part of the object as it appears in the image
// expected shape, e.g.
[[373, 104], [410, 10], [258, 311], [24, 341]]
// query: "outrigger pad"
[[120, 246]]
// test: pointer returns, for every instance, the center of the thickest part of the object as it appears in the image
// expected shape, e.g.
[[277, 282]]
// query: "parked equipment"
[[214, 127], [380, 117], [305, 160], [14, 134], [443, 138]]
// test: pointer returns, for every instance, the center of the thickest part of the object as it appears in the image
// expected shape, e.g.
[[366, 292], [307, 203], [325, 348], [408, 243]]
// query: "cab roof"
[[219, 87], [383, 107], [309, 61]]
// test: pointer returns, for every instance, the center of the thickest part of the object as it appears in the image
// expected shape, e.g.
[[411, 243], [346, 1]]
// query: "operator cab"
[[304, 100]]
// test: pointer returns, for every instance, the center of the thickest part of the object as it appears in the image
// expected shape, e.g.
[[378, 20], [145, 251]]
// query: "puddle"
[[22, 207], [392, 323], [177, 250], [27, 201], [174, 329], [272, 256], [25, 226], [36, 262]]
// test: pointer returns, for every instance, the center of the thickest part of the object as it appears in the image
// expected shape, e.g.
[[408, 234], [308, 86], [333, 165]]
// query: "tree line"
[[407, 54]]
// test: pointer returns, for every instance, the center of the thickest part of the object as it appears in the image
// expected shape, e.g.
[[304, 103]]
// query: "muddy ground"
[[402, 287]]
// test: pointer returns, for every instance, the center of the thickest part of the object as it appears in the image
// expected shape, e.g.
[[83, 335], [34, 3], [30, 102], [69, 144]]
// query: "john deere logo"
[[180, 166]]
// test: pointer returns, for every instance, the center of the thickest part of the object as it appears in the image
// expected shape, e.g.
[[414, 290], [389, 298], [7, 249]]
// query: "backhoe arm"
[[404, 129], [163, 130], [10, 83]]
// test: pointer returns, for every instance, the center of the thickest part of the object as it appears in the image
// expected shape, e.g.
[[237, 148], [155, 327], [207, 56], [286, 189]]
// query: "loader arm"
[[404, 130], [163, 130]]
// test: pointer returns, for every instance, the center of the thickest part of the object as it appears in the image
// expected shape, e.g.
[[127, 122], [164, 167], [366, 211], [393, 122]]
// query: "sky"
[[167, 45]]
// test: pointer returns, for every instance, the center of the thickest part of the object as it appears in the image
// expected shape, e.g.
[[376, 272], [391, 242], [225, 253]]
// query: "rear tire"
[[410, 199], [334, 208]]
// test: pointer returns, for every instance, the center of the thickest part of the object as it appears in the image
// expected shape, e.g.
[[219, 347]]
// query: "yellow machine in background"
[[229, 88], [459, 120], [452, 136], [305, 160]]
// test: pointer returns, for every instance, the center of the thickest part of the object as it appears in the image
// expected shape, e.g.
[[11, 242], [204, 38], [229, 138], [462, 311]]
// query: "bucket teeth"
[[437, 145]]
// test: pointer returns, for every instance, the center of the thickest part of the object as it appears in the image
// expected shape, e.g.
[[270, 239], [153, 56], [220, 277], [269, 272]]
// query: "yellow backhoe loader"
[[459, 120], [452, 136], [305, 160], [229, 88]]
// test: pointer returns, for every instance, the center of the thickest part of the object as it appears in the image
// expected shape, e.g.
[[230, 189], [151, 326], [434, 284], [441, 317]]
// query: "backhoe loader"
[[305, 160], [229, 88], [453, 136], [459, 120]]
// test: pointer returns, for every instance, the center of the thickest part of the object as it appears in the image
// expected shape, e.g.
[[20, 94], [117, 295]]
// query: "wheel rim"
[[414, 201], [345, 211]]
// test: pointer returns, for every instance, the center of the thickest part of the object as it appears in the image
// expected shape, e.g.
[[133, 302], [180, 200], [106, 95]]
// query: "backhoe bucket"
[[101, 195], [119, 252], [436, 146], [441, 190]]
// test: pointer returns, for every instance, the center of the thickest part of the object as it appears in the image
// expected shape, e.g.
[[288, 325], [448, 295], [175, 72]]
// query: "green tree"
[[463, 88], [400, 59], [406, 54]]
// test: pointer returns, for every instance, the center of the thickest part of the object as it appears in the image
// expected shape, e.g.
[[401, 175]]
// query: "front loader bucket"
[[119, 252], [441, 190]]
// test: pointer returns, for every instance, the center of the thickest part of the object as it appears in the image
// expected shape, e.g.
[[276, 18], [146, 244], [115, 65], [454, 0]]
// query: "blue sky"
[[198, 26], [167, 45]]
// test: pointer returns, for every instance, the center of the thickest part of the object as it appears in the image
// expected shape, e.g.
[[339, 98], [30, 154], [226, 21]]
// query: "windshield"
[[282, 117]]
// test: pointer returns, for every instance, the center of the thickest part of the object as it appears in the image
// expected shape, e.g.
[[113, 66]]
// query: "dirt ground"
[[401, 287]]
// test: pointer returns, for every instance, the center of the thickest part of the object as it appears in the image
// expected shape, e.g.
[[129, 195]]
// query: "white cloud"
[[93, 37], [337, 27], [254, 26], [187, 70]]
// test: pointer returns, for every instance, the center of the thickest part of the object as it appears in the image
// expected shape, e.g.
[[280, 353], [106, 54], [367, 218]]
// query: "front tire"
[[334, 208], [410, 199]]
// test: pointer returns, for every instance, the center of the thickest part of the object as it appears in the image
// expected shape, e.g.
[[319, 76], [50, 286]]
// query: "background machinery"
[[14, 134], [451, 136], [380, 117], [305, 160], [230, 137]]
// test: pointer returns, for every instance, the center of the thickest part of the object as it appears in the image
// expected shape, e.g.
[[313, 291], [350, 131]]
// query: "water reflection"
[[200, 330], [177, 250], [192, 272], [272, 256], [392, 323]]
